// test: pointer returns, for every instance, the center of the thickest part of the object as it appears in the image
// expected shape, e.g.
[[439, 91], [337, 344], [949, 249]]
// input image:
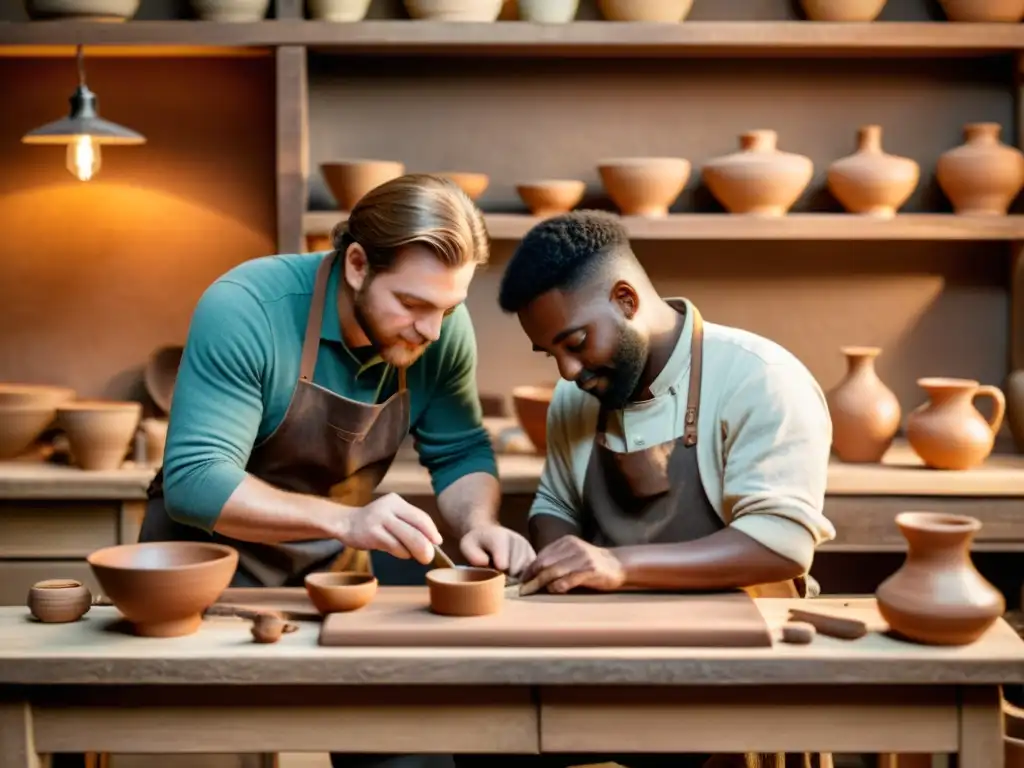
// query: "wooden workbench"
[[89, 687]]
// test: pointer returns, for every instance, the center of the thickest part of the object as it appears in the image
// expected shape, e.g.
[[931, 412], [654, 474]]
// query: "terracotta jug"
[[1015, 407], [865, 413], [759, 179], [871, 181], [983, 175], [938, 597], [948, 432]]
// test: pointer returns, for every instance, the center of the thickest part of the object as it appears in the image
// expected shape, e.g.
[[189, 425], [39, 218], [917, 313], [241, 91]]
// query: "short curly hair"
[[561, 253]]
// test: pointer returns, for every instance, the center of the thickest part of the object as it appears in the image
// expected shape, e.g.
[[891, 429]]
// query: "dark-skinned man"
[[681, 455]]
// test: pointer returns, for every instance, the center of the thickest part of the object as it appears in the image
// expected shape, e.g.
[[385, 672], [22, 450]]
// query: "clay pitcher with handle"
[[865, 413], [948, 432]]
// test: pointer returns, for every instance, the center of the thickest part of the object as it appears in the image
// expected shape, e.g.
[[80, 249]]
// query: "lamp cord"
[[80, 55]]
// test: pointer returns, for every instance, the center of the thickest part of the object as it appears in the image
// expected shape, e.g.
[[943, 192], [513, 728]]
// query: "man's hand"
[[506, 549], [571, 562], [393, 525]]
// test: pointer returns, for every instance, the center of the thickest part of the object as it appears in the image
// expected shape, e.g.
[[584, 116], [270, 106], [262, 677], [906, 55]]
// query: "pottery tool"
[[834, 626], [529, 587], [441, 559], [798, 632]]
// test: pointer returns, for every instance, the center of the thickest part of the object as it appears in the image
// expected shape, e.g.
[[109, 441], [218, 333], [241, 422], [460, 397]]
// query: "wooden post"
[[292, 147], [287, 9]]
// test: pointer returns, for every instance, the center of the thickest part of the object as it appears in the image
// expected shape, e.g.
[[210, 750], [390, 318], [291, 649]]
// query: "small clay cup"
[[466, 591], [268, 628], [58, 601], [336, 592]]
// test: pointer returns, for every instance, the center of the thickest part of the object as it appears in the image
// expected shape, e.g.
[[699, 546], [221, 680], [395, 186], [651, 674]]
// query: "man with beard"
[[681, 454]]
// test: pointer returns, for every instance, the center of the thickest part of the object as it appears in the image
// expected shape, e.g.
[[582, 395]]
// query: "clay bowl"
[[160, 374], [58, 601], [336, 592], [231, 10], [38, 395], [81, 10], [473, 184], [349, 180], [466, 591], [644, 186], [1003, 11], [531, 407], [99, 432], [842, 10], [551, 197], [162, 588], [645, 10], [454, 10], [343, 11], [21, 426]]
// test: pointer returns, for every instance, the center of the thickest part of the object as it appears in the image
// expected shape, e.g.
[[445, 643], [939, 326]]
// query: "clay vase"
[[551, 197], [99, 432], [1007, 11], [948, 432], [644, 186], [82, 10], [865, 413], [671, 11], [231, 10], [1014, 391], [342, 11], [842, 10], [983, 175], [871, 181], [937, 597], [759, 179]]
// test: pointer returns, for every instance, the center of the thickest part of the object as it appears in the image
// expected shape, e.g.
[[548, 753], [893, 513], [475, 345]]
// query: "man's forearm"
[[261, 513], [469, 502], [728, 559]]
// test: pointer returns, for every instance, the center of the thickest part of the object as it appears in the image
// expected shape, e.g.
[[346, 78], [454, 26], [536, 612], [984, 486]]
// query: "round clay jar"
[[58, 601], [466, 591]]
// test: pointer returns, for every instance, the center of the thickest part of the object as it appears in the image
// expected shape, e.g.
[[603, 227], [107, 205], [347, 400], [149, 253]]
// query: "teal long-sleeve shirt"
[[241, 365]]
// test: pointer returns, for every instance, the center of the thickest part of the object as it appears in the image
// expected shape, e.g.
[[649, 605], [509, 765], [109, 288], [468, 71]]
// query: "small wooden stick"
[[529, 587], [834, 626]]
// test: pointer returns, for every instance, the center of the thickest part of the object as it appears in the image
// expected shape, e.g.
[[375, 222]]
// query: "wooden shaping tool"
[[833, 626]]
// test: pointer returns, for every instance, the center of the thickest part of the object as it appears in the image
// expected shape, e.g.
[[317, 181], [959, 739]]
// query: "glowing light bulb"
[[83, 159]]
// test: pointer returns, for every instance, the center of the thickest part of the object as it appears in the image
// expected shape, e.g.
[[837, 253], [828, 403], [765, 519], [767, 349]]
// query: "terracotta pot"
[[1014, 391], [21, 426], [473, 184], [82, 10], [983, 175], [645, 10], [1009, 11], [99, 432], [938, 597], [759, 179], [58, 601], [454, 10], [531, 408], [1013, 735], [948, 432], [160, 374], [466, 591], [865, 413], [551, 197], [349, 180], [548, 11], [842, 10], [162, 588], [338, 591], [37, 395], [871, 181], [644, 186], [231, 10], [338, 10]]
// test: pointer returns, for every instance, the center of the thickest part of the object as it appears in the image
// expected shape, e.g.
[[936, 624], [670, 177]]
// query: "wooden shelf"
[[798, 226], [582, 38]]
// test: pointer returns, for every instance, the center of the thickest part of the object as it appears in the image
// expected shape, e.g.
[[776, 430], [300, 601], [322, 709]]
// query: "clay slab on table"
[[401, 616]]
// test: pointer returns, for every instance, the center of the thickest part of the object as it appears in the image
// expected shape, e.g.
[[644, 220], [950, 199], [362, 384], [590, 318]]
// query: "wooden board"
[[401, 616]]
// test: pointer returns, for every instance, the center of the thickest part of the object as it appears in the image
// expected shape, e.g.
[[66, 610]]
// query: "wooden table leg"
[[17, 743], [981, 727]]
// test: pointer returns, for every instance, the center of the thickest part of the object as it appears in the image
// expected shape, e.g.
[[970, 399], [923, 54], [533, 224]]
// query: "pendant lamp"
[[83, 131]]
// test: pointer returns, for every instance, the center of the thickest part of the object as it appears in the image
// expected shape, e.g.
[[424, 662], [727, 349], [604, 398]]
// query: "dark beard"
[[357, 310], [624, 374]]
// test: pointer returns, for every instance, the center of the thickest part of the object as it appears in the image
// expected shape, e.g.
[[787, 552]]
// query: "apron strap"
[[311, 344], [401, 379], [693, 397]]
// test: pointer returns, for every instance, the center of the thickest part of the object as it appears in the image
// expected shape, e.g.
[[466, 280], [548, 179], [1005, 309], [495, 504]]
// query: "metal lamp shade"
[[83, 121]]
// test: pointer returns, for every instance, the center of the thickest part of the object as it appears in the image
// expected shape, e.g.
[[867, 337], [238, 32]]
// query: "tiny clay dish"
[[335, 592], [58, 601], [268, 628], [466, 591]]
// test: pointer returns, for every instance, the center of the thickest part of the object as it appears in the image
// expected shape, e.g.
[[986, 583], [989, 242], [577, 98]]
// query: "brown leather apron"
[[655, 496], [326, 445]]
